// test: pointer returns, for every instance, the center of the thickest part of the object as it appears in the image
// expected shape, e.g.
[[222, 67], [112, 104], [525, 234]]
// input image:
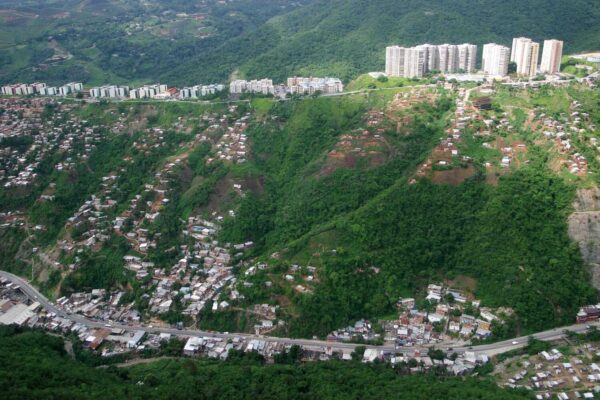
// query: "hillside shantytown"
[[144, 253]]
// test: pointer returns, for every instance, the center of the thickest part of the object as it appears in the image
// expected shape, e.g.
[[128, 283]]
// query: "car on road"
[[514, 342]]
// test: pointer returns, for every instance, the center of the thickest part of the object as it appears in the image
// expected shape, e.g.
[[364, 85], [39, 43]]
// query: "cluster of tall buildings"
[[414, 62], [21, 89], [525, 53], [411, 62]]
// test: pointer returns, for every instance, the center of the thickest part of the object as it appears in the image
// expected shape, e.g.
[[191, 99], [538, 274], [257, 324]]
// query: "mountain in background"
[[129, 41], [345, 38], [119, 41]]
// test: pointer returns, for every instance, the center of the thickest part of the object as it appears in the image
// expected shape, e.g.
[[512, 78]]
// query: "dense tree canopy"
[[36, 366]]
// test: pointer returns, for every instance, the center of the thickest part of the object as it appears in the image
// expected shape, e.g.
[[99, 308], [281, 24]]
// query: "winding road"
[[488, 349]]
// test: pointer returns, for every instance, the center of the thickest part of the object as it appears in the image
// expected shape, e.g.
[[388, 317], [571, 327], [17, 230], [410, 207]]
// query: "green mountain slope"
[[118, 41], [130, 42], [344, 38], [375, 235]]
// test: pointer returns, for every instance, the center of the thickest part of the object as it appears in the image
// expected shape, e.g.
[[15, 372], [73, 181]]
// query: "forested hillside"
[[344, 38], [512, 239], [36, 366], [119, 41], [184, 43], [376, 235]]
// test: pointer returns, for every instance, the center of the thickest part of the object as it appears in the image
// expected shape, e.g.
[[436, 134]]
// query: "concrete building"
[[495, 59], [198, 91], [135, 339], [551, 56], [452, 65], [467, 57], [264, 86], [149, 92], [432, 57], [312, 85], [443, 57], [18, 314], [414, 62], [417, 61], [9, 90], [394, 61], [49, 91], [38, 86], [525, 54], [22, 89], [69, 88], [110, 91]]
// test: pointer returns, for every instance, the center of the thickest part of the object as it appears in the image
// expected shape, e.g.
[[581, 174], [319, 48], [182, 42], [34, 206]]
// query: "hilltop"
[[182, 44], [344, 38]]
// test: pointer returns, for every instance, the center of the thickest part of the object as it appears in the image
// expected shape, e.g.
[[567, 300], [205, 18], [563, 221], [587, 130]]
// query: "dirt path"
[[139, 361]]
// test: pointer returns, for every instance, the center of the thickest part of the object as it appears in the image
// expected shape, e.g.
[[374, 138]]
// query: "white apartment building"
[[264, 86], [394, 61], [49, 91], [72, 87], [432, 57], [452, 65], [238, 86], [17, 90], [443, 57], [525, 54], [495, 59], [312, 85], [197, 91], [23, 89], [110, 91], [7, 90], [467, 57], [148, 92], [417, 61], [551, 56], [408, 62], [38, 86]]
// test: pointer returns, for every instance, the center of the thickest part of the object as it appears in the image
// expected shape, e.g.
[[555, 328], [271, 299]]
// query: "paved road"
[[489, 349]]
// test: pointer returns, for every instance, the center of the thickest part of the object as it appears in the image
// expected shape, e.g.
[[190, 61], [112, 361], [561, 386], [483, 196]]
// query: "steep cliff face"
[[584, 228]]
